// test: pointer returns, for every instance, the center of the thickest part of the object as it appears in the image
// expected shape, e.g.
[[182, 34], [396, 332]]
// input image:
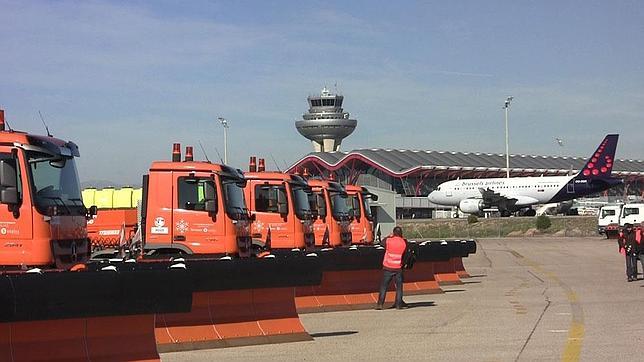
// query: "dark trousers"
[[397, 276], [631, 266]]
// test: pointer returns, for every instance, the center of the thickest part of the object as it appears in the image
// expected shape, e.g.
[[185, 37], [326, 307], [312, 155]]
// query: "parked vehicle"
[[279, 202], [42, 217], [631, 214], [608, 220]]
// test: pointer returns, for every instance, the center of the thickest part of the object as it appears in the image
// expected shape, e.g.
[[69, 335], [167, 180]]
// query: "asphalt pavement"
[[528, 299]]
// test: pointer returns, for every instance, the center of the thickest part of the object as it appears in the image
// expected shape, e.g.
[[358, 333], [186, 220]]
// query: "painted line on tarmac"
[[572, 349]]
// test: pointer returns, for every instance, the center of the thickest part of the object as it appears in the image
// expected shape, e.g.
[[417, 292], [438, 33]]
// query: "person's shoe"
[[403, 305], [630, 279], [378, 307]]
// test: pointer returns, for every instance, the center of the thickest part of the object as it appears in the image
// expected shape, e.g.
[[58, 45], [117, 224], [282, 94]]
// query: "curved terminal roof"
[[401, 163]]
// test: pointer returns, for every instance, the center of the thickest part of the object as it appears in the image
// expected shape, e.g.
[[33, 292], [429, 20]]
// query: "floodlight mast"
[[224, 123], [507, 136]]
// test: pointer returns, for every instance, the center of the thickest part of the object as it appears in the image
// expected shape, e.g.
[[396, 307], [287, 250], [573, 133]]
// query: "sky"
[[126, 79]]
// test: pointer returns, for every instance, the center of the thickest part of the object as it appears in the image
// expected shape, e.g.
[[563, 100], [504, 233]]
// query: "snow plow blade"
[[87, 315], [240, 302]]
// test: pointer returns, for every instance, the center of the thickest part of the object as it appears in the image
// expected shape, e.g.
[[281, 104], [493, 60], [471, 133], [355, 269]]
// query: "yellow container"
[[104, 199], [137, 195], [122, 198], [88, 196]]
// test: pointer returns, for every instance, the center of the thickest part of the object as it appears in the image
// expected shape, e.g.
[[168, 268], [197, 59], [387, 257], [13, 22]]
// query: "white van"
[[608, 220], [631, 214]]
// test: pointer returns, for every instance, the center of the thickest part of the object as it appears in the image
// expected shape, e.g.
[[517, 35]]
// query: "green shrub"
[[543, 222], [472, 219]]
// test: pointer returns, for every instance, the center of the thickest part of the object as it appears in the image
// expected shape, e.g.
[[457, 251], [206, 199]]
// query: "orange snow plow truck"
[[42, 216], [53, 303], [195, 211]]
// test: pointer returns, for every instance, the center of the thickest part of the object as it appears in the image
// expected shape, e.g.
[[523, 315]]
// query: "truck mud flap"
[[240, 302], [87, 315]]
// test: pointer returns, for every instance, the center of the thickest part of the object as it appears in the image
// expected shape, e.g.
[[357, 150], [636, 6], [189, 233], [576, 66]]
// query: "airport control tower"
[[326, 124]]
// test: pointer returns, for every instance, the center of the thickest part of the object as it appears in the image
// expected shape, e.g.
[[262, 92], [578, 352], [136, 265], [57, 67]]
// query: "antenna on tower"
[[44, 124]]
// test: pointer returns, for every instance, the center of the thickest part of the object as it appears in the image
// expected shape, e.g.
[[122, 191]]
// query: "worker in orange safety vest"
[[392, 266]]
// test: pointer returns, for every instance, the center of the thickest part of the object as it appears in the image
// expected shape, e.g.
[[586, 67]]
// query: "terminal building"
[[410, 175]]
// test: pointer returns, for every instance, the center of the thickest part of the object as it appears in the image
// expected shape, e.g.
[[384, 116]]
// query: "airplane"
[[508, 195]]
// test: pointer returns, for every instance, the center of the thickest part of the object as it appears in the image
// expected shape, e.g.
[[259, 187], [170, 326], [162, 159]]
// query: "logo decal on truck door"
[[182, 226], [159, 226]]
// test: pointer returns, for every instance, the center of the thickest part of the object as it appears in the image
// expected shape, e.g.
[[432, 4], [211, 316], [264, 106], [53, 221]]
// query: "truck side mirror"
[[8, 182], [210, 197], [91, 212], [282, 203]]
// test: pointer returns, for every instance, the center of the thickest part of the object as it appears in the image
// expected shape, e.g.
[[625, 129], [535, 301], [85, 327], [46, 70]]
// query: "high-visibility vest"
[[395, 248]]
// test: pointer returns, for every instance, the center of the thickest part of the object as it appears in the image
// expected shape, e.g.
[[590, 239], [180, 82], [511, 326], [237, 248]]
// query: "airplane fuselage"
[[512, 194], [526, 190]]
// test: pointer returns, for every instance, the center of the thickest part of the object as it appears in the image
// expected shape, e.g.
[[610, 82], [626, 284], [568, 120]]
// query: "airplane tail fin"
[[600, 164]]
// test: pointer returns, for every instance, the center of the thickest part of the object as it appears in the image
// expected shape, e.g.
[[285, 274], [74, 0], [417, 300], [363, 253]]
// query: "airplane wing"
[[503, 202]]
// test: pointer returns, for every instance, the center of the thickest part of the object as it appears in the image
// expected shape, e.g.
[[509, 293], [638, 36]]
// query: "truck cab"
[[631, 214], [362, 229], [332, 226], [608, 220], [42, 217], [194, 207], [280, 205]]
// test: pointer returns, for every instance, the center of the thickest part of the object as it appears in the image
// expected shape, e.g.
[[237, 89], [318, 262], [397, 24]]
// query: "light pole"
[[507, 137], [224, 123]]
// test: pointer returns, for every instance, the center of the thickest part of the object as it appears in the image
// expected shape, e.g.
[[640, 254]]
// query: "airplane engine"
[[471, 206]]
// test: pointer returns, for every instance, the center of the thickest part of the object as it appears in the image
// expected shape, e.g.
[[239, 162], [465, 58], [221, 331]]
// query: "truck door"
[[198, 219], [271, 207], [16, 220]]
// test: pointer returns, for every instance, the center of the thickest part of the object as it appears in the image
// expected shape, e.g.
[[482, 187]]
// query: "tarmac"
[[528, 299]]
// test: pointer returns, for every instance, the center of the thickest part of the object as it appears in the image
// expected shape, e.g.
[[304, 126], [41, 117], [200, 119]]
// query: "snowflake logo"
[[182, 226], [258, 226]]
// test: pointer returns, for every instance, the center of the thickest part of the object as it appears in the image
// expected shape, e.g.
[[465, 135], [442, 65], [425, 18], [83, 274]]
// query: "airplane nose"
[[432, 196]]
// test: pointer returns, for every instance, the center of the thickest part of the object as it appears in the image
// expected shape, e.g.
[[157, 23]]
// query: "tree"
[[543, 222]]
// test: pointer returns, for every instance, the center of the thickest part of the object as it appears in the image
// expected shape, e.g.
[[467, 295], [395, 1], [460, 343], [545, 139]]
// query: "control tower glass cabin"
[[326, 124]]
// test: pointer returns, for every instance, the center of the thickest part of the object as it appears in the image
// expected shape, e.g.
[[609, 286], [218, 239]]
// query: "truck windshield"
[[339, 205], [234, 198], [353, 203], [55, 184], [630, 211], [366, 207], [301, 203], [607, 212]]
